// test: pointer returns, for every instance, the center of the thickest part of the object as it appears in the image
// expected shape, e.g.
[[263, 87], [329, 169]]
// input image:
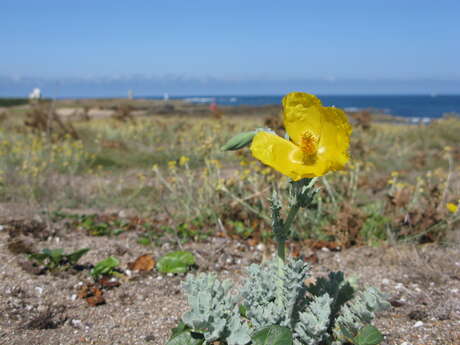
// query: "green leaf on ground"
[[105, 266], [76, 255], [176, 262]]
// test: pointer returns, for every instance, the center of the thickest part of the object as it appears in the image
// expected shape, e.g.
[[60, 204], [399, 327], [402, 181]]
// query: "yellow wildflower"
[[172, 165], [183, 160], [452, 207], [319, 139]]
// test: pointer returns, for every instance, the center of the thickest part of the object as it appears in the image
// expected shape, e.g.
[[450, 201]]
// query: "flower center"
[[309, 145]]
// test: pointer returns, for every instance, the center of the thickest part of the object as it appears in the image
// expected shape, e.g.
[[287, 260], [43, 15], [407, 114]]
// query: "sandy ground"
[[422, 284]]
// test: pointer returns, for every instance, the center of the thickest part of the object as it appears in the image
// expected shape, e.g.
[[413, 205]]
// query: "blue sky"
[[335, 46]]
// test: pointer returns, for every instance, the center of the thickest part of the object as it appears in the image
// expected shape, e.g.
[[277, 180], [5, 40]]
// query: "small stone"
[[149, 337], [399, 286], [76, 323], [385, 281], [418, 324], [417, 315], [260, 247], [39, 290]]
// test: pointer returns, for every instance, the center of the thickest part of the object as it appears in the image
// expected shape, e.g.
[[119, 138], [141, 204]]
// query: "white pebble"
[[76, 323], [385, 281], [39, 290], [260, 247], [399, 286], [418, 324]]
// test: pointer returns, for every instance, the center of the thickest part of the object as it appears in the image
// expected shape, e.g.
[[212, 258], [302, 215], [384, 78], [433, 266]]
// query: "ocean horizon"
[[420, 106]]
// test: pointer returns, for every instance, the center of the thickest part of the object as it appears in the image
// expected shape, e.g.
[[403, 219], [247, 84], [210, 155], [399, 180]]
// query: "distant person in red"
[[213, 106], [214, 109]]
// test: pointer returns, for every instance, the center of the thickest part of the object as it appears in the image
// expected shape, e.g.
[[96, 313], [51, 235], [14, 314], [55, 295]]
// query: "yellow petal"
[[335, 138], [301, 111], [285, 157]]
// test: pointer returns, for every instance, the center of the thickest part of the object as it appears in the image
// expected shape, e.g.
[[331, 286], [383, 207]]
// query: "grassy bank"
[[169, 167]]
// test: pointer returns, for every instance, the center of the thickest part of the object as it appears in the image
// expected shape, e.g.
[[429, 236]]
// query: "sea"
[[413, 106]]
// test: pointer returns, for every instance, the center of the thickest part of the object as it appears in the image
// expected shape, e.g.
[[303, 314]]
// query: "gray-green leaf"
[[239, 141], [176, 262], [186, 338], [368, 335], [272, 335]]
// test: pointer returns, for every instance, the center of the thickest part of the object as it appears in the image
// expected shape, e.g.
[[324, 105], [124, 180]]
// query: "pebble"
[[405, 343], [39, 290], [76, 323], [385, 281], [260, 247], [399, 286], [418, 324]]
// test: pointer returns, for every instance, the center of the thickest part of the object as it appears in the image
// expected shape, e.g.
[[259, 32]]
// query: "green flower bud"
[[239, 141]]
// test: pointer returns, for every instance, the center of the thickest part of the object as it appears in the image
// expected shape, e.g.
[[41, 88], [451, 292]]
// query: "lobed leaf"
[[272, 335]]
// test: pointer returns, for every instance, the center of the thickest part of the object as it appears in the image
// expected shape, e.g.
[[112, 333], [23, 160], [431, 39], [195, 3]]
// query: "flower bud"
[[239, 141]]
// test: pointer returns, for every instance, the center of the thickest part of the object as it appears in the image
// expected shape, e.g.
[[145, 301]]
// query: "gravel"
[[422, 284]]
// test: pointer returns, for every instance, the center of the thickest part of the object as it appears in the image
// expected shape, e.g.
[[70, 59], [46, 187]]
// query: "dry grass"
[[395, 188]]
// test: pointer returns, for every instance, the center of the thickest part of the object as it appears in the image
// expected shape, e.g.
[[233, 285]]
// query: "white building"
[[35, 94]]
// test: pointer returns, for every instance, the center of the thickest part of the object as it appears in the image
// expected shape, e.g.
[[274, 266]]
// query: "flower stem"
[[286, 226], [292, 213], [281, 250]]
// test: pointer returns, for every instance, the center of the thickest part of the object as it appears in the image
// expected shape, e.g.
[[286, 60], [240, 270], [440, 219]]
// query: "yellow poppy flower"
[[452, 207], [319, 139]]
